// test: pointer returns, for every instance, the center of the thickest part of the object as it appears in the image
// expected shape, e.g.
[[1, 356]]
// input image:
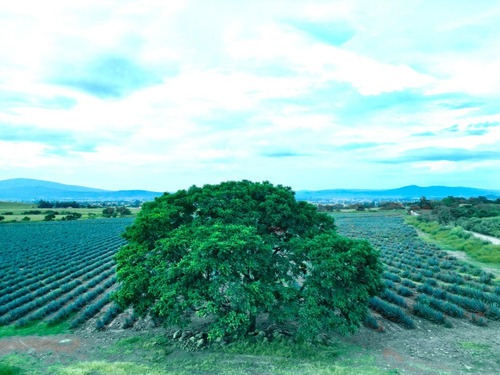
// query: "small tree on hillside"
[[232, 251], [49, 217], [109, 212], [44, 204], [123, 211]]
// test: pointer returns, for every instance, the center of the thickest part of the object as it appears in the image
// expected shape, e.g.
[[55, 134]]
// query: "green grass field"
[[17, 210], [457, 239], [153, 354]]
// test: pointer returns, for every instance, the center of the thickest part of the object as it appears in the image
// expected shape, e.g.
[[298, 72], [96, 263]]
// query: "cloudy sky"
[[161, 95]]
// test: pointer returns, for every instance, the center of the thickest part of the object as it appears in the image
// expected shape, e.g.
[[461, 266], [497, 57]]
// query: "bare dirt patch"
[[433, 349], [40, 344], [428, 349]]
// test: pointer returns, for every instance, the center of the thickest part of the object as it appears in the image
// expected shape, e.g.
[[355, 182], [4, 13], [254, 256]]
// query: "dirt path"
[[462, 255], [68, 348], [493, 240]]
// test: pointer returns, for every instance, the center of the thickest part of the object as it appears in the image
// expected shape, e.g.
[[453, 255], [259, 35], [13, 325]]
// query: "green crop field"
[[20, 212], [53, 272], [421, 279], [57, 278], [56, 271]]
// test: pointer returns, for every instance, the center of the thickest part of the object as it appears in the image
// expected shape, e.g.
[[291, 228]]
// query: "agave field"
[[421, 279], [55, 272], [58, 271]]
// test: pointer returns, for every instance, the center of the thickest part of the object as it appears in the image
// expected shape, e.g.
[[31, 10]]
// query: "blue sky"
[[162, 95]]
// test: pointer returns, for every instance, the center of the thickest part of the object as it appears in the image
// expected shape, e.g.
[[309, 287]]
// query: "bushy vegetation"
[[475, 214], [489, 225], [457, 239], [114, 212], [232, 251]]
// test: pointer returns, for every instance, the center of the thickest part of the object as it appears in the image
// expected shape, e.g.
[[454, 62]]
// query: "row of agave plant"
[[76, 276], [11, 288], [29, 293], [421, 279], [36, 251], [28, 249]]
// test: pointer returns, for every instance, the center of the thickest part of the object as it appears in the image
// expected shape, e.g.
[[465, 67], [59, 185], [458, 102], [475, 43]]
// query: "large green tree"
[[232, 251]]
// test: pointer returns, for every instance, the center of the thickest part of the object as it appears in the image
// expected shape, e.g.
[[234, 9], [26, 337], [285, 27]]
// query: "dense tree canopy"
[[232, 251]]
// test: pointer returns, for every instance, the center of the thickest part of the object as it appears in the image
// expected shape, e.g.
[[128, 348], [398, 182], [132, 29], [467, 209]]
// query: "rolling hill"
[[412, 192], [30, 190]]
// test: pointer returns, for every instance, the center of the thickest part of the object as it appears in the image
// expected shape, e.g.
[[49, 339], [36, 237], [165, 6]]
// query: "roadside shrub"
[[391, 276], [478, 320], [425, 288], [111, 313], [470, 304], [99, 325], [371, 322], [129, 321], [393, 298], [431, 282], [405, 292], [493, 312], [429, 313], [445, 307], [417, 276], [389, 284], [391, 312], [409, 284], [486, 278]]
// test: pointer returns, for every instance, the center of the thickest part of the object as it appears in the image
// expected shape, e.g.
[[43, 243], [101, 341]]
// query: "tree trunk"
[[253, 323]]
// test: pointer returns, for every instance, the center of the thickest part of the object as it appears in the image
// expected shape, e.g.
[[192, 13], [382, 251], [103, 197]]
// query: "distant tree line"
[[74, 204], [478, 214], [57, 204], [360, 206], [114, 212]]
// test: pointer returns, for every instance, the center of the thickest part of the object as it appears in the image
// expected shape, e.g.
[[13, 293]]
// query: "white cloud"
[[451, 167], [323, 62], [470, 75], [24, 155], [236, 83]]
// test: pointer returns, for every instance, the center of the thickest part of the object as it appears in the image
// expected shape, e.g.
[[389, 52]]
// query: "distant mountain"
[[406, 193], [29, 190]]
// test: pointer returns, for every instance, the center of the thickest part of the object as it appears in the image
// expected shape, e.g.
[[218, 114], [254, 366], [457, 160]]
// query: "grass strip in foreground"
[[246, 357], [35, 328]]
